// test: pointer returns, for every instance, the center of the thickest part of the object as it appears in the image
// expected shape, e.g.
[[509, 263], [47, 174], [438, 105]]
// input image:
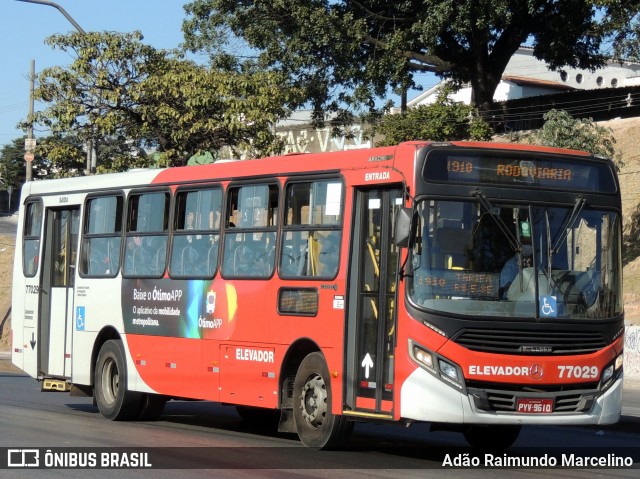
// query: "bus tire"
[[315, 424], [492, 437], [114, 401]]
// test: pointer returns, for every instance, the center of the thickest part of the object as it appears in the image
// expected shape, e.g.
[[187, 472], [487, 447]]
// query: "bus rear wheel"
[[114, 401], [492, 437], [316, 425]]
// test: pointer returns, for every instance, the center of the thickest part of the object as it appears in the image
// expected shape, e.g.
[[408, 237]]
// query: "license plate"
[[534, 406]]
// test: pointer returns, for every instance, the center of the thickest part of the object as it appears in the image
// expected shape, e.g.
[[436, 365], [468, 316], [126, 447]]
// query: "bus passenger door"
[[56, 299], [371, 330]]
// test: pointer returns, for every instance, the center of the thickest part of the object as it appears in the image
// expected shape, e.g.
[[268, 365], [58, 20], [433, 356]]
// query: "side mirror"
[[403, 227]]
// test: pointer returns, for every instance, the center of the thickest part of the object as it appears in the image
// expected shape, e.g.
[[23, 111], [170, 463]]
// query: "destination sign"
[[459, 283], [518, 170]]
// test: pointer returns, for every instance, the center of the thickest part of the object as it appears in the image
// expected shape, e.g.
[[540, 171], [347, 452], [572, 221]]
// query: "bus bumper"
[[426, 398]]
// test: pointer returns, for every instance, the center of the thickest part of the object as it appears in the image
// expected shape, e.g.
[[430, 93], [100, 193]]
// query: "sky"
[[25, 26]]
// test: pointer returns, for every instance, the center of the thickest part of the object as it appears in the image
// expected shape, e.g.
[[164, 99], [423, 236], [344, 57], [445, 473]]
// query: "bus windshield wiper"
[[547, 271], [564, 231], [515, 244]]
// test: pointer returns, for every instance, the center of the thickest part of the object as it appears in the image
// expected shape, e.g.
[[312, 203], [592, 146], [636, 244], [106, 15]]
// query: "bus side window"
[[329, 254], [251, 224], [147, 234], [31, 238], [102, 236], [313, 222], [194, 251]]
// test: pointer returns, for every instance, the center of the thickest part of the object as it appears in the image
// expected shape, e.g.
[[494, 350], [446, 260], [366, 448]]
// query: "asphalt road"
[[210, 440]]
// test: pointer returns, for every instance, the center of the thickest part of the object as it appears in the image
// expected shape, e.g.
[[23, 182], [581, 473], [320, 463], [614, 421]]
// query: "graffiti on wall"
[[310, 140], [632, 351]]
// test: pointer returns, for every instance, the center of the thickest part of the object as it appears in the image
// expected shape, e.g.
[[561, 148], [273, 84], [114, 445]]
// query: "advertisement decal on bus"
[[183, 308]]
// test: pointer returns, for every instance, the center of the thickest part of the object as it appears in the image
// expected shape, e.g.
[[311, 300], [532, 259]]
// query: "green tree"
[[12, 164], [625, 29], [118, 154], [190, 109], [13, 167], [444, 120], [58, 156], [563, 131], [127, 96], [350, 52], [64, 155]]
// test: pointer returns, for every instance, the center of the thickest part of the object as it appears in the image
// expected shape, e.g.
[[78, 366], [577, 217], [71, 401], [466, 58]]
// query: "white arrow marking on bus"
[[367, 363]]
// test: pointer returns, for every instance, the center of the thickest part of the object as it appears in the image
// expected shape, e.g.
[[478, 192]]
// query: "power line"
[[14, 107]]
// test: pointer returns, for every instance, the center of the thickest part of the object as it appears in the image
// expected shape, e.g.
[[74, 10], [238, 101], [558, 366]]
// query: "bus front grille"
[[504, 399], [531, 343]]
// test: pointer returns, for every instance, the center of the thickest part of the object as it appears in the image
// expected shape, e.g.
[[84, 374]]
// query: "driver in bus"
[[520, 260]]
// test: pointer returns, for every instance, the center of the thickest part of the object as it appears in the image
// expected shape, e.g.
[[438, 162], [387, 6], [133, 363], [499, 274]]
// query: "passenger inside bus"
[[149, 257], [244, 261], [102, 259], [328, 257], [190, 257]]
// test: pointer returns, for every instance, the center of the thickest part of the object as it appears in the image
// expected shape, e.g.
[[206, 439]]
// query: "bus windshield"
[[506, 260]]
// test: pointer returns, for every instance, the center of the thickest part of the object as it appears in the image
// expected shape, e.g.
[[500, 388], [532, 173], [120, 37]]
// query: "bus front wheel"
[[316, 425], [114, 401]]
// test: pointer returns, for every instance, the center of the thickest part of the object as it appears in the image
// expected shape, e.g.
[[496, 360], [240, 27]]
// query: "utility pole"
[[30, 142]]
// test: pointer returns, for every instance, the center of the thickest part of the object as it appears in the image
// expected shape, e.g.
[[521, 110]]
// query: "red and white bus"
[[475, 286]]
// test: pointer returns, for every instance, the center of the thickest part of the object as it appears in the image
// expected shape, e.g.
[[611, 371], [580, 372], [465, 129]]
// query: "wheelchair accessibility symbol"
[[548, 306], [80, 318]]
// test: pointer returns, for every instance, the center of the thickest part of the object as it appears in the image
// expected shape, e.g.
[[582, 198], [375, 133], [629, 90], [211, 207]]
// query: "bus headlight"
[[424, 357], [435, 364], [448, 369], [449, 372], [619, 361], [610, 371]]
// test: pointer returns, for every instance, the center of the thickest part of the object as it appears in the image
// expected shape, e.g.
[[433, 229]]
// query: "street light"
[[90, 148], [60, 9]]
